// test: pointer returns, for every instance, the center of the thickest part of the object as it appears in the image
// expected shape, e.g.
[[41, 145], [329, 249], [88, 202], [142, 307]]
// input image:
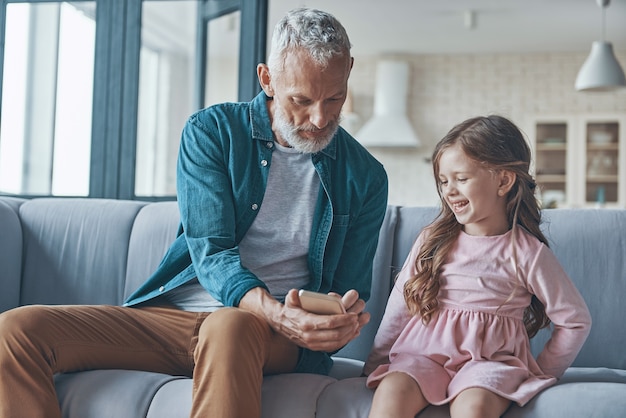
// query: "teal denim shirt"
[[223, 164]]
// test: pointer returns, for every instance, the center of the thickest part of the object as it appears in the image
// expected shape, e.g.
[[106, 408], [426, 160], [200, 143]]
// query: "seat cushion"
[[110, 393], [581, 393], [132, 394]]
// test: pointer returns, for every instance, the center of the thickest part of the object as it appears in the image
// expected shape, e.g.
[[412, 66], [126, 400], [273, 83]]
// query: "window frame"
[[116, 82]]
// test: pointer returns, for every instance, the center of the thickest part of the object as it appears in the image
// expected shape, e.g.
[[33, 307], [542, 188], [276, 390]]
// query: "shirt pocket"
[[341, 221]]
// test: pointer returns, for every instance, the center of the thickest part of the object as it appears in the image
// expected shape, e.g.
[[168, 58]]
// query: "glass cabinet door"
[[551, 156], [602, 143], [580, 160]]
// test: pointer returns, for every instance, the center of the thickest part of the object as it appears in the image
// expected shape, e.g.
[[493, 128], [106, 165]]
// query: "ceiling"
[[440, 26]]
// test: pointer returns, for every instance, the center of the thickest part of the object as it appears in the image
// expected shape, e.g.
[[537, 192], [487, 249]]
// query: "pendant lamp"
[[601, 71]]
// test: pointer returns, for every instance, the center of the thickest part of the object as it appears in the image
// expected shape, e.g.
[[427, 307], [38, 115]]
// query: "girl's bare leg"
[[397, 396], [478, 403]]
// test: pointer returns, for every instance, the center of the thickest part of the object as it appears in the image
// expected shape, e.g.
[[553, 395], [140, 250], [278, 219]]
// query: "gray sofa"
[[94, 251]]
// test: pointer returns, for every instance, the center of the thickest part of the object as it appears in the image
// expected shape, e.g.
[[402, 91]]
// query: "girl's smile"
[[474, 194]]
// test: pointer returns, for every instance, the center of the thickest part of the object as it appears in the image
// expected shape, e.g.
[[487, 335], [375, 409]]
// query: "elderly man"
[[274, 196]]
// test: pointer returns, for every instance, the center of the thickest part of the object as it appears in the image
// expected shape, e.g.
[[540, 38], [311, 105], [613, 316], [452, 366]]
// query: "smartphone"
[[320, 303]]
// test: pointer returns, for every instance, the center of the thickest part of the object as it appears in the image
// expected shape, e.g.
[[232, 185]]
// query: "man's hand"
[[315, 332]]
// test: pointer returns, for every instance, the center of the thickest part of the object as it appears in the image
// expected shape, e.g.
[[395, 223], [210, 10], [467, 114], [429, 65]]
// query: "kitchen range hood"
[[390, 125]]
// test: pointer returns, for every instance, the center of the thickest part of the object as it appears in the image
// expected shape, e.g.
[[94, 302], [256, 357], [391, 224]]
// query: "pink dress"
[[478, 338]]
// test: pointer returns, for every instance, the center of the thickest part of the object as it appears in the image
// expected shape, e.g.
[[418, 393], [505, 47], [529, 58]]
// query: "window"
[[94, 104], [47, 90], [167, 82]]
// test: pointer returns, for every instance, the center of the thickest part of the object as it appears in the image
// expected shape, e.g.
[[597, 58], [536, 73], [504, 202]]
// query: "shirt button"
[[269, 144], [255, 206], [264, 163], [162, 288]]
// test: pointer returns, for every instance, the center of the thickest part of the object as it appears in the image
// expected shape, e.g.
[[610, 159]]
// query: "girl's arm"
[[395, 318], [566, 309]]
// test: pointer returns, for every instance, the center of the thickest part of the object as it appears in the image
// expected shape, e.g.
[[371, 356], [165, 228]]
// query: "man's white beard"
[[291, 134]]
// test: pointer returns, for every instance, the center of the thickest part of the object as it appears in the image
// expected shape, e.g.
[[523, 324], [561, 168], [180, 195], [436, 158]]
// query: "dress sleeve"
[[396, 315], [566, 309]]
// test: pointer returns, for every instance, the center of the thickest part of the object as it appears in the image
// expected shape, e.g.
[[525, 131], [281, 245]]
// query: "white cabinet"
[[579, 160]]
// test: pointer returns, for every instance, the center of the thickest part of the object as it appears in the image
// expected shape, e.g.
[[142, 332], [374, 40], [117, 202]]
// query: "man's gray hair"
[[318, 32]]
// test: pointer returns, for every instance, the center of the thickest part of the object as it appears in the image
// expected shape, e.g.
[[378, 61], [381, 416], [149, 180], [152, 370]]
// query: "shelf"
[[600, 147], [551, 178], [553, 147], [602, 178]]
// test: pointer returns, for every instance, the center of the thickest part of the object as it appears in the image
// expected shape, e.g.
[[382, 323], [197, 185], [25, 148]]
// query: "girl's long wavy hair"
[[497, 144]]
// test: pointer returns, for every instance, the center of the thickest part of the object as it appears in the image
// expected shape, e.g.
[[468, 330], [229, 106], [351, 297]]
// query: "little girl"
[[477, 284]]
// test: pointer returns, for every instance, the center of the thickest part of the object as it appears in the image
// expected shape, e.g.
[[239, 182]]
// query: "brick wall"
[[446, 89]]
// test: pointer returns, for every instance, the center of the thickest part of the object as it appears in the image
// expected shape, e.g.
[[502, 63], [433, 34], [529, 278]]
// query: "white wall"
[[447, 89]]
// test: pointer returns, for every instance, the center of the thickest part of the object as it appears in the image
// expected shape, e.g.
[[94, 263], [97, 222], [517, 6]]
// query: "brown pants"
[[227, 352]]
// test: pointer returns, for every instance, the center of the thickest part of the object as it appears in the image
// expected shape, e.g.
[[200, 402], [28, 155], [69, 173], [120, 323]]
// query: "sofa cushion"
[[75, 250], [381, 282], [292, 395], [132, 394], [152, 233], [283, 396], [581, 392], [591, 246], [574, 396], [411, 221], [97, 251], [109, 393], [591, 252], [350, 398]]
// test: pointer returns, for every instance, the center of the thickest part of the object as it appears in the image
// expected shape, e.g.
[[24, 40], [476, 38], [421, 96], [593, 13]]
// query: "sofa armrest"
[[11, 243]]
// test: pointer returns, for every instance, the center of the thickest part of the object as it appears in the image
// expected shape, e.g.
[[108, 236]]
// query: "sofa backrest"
[[154, 230], [75, 250], [589, 243], [80, 251], [591, 246], [97, 251], [397, 234], [382, 272]]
